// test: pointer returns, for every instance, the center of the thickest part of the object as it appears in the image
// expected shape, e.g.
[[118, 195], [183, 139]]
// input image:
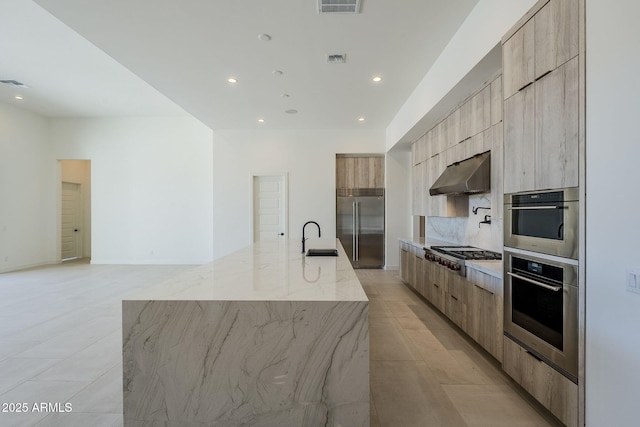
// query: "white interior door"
[[269, 207], [71, 218]]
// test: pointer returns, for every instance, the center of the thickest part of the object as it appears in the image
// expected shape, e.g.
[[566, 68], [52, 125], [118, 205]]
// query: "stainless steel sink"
[[322, 252]]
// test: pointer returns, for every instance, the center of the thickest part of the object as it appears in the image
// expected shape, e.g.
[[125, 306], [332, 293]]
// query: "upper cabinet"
[[541, 92], [556, 35], [542, 44], [469, 130], [359, 171], [517, 60]]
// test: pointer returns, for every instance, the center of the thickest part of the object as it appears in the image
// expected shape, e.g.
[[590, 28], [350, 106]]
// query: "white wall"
[[479, 34], [398, 202], [308, 156], [27, 191], [613, 209], [152, 193]]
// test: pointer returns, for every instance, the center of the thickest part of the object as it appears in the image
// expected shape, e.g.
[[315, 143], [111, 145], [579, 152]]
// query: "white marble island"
[[262, 337]]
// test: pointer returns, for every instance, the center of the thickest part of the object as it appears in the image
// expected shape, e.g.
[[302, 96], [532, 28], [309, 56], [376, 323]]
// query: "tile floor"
[[60, 334], [426, 372]]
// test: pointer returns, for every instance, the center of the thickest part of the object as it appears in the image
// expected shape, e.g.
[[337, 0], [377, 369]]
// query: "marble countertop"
[[266, 271], [423, 243]]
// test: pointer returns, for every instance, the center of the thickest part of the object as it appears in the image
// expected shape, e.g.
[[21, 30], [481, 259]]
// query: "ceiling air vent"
[[14, 83], [339, 6], [337, 59]]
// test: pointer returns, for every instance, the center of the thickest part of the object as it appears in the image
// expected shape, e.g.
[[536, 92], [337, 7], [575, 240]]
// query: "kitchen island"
[[264, 336]]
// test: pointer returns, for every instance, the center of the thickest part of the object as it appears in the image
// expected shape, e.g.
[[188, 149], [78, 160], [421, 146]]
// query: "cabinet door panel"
[[556, 35], [556, 117], [496, 101], [518, 60], [481, 111], [519, 133], [404, 262], [376, 172], [415, 199]]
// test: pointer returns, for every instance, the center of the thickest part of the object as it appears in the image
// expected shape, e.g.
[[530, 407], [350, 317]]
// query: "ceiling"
[[67, 76], [187, 49]]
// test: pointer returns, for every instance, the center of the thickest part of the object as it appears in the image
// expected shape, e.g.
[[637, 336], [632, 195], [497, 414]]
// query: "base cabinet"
[[456, 300], [485, 311], [404, 262], [553, 390]]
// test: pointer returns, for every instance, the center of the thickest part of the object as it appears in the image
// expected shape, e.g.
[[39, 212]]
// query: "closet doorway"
[[75, 209]]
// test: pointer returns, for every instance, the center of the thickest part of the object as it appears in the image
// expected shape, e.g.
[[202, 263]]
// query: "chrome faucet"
[[305, 224]]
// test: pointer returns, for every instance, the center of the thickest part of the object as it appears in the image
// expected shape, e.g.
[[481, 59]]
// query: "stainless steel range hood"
[[469, 176]]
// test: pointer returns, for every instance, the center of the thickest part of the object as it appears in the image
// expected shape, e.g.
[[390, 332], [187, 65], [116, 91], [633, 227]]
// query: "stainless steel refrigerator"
[[360, 225]]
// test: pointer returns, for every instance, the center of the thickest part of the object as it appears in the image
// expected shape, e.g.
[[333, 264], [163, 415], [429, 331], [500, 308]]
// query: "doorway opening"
[[75, 209], [269, 206]]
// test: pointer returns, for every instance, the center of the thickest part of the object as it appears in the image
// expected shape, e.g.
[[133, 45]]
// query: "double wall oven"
[[541, 276]]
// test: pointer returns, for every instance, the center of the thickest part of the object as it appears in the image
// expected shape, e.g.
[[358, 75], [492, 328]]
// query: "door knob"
[[75, 229], [282, 234]]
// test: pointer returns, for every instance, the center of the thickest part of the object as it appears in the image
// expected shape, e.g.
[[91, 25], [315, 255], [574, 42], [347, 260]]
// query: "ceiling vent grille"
[[337, 58], [339, 6], [14, 83]]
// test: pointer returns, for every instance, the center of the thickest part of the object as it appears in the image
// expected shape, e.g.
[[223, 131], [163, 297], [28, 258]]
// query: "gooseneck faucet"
[[305, 224]]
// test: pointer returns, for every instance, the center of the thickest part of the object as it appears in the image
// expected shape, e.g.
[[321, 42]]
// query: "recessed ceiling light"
[[361, 119], [260, 120], [377, 79], [276, 72], [18, 97], [264, 37], [232, 80], [292, 111]]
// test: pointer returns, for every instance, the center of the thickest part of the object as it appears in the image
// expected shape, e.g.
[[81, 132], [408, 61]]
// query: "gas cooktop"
[[468, 252]]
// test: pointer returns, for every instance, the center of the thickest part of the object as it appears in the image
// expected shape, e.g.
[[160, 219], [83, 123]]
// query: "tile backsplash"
[[468, 230]]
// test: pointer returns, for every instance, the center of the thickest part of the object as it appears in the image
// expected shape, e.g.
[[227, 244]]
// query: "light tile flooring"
[[60, 335], [426, 372]]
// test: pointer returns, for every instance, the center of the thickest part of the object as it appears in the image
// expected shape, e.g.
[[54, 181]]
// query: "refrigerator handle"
[[353, 234], [357, 232]]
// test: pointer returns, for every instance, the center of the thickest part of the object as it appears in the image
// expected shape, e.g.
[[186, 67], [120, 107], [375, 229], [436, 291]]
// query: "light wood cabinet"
[[518, 68], [456, 299], [556, 35], [545, 42], [354, 171], [473, 303], [416, 194], [519, 137], [480, 111], [541, 133], [435, 285], [419, 262], [404, 262], [411, 268], [541, 90], [556, 124], [485, 311], [496, 101], [552, 389], [467, 131]]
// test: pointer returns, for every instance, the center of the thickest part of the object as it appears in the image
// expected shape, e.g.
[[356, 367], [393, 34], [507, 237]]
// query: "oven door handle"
[[536, 208], [535, 282]]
